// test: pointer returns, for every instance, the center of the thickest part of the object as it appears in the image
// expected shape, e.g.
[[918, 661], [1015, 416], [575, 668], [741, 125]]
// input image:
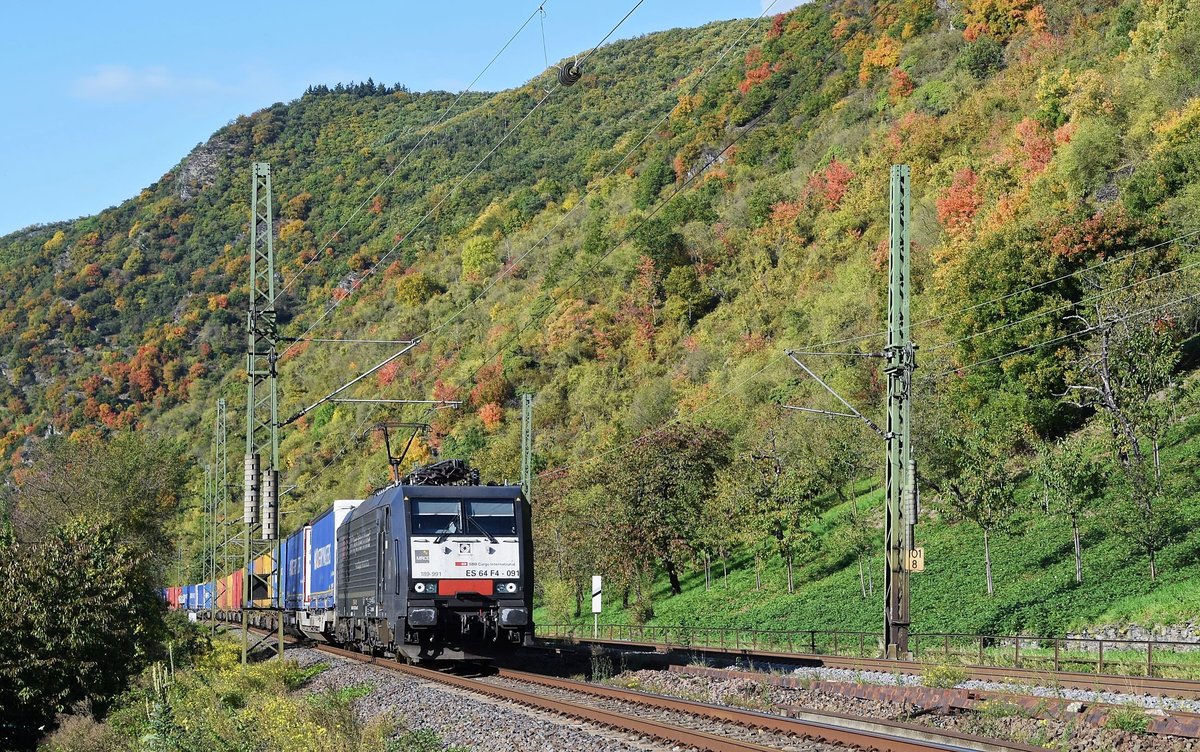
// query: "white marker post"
[[596, 580]]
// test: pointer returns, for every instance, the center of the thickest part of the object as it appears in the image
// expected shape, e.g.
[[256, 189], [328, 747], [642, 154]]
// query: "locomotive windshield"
[[445, 517], [493, 517], [436, 517]]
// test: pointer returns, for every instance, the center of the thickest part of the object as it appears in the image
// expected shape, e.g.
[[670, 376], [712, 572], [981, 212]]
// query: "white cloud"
[[781, 6], [121, 83]]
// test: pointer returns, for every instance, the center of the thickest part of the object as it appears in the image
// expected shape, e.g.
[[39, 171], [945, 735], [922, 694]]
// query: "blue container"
[[293, 570], [320, 555], [189, 597], [205, 596]]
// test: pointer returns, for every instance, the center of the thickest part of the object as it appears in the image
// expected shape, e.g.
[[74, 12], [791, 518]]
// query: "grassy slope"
[[586, 402], [1033, 570]]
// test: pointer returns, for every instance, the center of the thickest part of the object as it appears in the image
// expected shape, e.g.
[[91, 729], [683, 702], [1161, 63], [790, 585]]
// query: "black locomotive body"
[[436, 571]]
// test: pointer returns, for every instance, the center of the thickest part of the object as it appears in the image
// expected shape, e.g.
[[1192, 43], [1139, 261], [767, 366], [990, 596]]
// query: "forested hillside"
[[640, 249]]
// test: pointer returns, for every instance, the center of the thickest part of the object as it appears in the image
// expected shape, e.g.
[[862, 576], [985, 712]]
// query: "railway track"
[[691, 724], [1160, 687]]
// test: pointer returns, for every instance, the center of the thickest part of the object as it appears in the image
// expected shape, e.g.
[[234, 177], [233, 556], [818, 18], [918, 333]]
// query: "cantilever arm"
[[856, 413]]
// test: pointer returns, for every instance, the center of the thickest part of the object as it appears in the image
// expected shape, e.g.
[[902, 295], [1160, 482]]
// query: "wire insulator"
[[250, 509], [570, 73]]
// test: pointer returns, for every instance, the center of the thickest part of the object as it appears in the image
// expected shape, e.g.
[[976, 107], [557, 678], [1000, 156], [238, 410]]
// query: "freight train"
[[435, 567]]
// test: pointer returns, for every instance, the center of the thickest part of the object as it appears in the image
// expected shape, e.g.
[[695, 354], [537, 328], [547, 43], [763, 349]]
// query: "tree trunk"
[[987, 560], [1153, 565], [788, 558], [1078, 550], [1157, 465], [757, 573], [862, 579], [673, 575], [725, 571], [707, 572], [871, 581]]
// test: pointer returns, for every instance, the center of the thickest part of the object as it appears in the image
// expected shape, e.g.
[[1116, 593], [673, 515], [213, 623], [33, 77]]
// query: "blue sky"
[[103, 98]]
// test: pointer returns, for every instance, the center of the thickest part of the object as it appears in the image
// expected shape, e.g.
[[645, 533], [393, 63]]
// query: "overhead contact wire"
[[556, 297], [587, 193], [337, 303], [1063, 338], [428, 130]]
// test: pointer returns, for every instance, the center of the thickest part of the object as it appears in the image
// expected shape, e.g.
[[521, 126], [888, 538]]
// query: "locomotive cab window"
[[435, 517], [491, 517]]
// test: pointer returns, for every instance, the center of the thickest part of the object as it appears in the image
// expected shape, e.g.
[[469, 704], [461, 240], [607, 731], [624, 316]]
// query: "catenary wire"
[[1060, 278], [562, 469], [556, 297], [587, 193], [454, 316], [1068, 305], [429, 129], [453, 191], [1063, 338]]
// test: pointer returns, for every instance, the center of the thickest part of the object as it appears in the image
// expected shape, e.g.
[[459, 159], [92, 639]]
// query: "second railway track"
[[690, 724], [1155, 686]]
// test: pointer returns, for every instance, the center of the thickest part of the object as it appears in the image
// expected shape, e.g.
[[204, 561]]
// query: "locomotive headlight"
[[506, 587], [419, 587]]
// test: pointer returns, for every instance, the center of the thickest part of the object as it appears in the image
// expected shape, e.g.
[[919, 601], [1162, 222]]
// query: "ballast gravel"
[[1059, 735], [1061, 693], [462, 718], [706, 725]]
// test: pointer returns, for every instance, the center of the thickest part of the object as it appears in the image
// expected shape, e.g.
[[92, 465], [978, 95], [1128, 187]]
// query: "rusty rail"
[[1081, 655], [831, 728], [1162, 687]]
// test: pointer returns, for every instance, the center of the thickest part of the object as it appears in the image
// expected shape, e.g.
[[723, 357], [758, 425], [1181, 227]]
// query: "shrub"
[[479, 258], [1094, 149], [982, 58], [602, 665], [416, 288], [943, 676], [558, 596], [936, 97], [1129, 718]]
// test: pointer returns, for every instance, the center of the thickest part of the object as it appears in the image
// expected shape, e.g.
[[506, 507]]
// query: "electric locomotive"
[[436, 567]]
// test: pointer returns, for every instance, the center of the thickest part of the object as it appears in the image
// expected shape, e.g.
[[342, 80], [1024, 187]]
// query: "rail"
[[1172, 659], [836, 729]]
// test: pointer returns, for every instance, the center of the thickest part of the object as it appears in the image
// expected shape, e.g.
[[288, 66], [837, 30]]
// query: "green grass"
[[1035, 591]]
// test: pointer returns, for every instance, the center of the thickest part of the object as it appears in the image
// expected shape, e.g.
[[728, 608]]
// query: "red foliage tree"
[[1036, 145], [386, 375], [643, 294], [831, 183], [757, 70], [490, 384], [957, 207], [445, 392], [491, 414], [754, 77], [777, 25], [900, 85], [1102, 235], [91, 385]]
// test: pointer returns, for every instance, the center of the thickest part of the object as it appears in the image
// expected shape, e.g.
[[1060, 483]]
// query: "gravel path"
[[1000, 724], [463, 718]]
